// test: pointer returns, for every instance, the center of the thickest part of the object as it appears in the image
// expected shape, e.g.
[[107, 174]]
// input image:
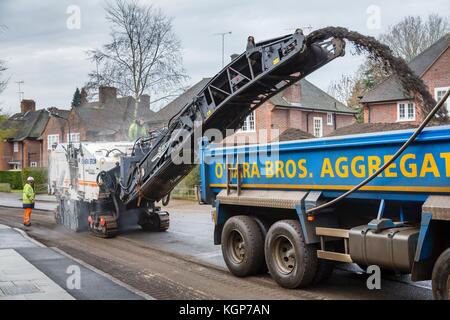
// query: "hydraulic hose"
[[388, 163]]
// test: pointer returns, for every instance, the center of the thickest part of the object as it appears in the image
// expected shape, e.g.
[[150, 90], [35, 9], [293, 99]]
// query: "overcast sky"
[[50, 58]]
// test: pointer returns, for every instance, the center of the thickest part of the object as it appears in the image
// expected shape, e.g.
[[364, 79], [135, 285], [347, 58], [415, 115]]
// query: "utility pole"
[[19, 83], [223, 34]]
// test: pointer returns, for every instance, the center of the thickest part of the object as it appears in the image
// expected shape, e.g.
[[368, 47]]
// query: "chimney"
[[106, 93], [27, 105], [292, 93]]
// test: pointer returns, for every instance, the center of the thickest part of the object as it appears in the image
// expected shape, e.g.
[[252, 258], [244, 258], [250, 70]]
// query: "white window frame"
[[75, 137], [33, 164], [440, 89], [247, 125], [330, 118], [406, 116], [50, 137], [16, 147], [320, 120]]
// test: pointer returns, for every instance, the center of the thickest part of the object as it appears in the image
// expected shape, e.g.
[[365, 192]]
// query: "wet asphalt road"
[[190, 236], [190, 231]]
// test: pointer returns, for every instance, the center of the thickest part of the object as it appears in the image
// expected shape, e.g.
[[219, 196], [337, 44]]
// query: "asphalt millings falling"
[[381, 53]]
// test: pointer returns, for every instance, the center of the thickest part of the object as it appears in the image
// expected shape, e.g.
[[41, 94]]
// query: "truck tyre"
[[243, 246], [291, 262], [441, 277], [264, 226]]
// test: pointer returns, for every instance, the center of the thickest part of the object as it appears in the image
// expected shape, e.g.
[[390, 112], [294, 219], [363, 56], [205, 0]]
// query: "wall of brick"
[[438, 75], [15, 156], [271, 121], [54, 126], [32, 152], [344, 120], [6, 151], [387, 113], [28, 151], [60, 127]]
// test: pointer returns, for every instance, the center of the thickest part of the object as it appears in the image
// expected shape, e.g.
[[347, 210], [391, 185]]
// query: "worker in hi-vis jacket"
[[137, 129], [28, 198]]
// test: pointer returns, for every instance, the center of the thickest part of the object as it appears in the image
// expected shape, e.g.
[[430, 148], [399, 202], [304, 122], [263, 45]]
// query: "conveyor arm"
[[259, 73]]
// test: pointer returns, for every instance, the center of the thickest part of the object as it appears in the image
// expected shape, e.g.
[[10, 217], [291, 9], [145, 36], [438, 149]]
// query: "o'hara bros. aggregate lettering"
[[408, 166]]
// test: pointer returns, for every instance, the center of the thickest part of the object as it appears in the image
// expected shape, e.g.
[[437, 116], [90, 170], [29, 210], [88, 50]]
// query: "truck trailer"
[[400, 221]]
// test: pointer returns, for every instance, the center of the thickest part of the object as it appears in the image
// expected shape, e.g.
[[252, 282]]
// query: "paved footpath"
[[14, 199], [31, 271]]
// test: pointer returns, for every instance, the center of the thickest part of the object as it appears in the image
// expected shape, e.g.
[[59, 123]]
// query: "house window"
[[406, 111], [329, 119], [249, 123], [318, 128], [439, 93], [33, 164], [16, 147], [52, 139], [74, 137]]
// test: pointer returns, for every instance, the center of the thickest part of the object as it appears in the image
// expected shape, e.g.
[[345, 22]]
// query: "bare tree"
[[371, 73], [342, 88], [412, 35], [407, 39], [144, 55]]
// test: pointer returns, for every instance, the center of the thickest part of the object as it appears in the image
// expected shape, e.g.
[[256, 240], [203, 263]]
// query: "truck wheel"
[[291, 262], [441, 277], [243, 246]]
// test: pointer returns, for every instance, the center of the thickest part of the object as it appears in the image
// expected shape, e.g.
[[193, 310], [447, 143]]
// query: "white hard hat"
[[30, 179]]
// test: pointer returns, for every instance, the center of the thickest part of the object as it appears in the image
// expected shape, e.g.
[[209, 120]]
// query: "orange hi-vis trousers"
[[27, 216]]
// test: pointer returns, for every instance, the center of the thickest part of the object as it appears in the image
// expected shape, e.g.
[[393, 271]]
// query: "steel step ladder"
[[331, 255], [234, 170]]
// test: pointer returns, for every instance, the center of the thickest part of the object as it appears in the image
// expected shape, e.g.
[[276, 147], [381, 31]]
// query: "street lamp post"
[[223, 34]]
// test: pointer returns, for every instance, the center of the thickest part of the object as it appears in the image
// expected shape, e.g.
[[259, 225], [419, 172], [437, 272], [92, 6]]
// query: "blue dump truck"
[[263, 195]]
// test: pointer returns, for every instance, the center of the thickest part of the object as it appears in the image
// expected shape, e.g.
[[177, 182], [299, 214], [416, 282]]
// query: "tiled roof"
[[294, 134], [28, 125], [391, 89], [167, 112], [114, 116], [370, 127], [312, 98]]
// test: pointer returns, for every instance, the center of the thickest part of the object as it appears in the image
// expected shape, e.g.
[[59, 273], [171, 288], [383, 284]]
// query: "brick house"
[[388, 103], [107, 119], [301, 111], [23, 146]]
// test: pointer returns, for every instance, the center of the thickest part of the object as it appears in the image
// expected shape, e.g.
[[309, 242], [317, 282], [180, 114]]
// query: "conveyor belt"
[[259, 73]]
